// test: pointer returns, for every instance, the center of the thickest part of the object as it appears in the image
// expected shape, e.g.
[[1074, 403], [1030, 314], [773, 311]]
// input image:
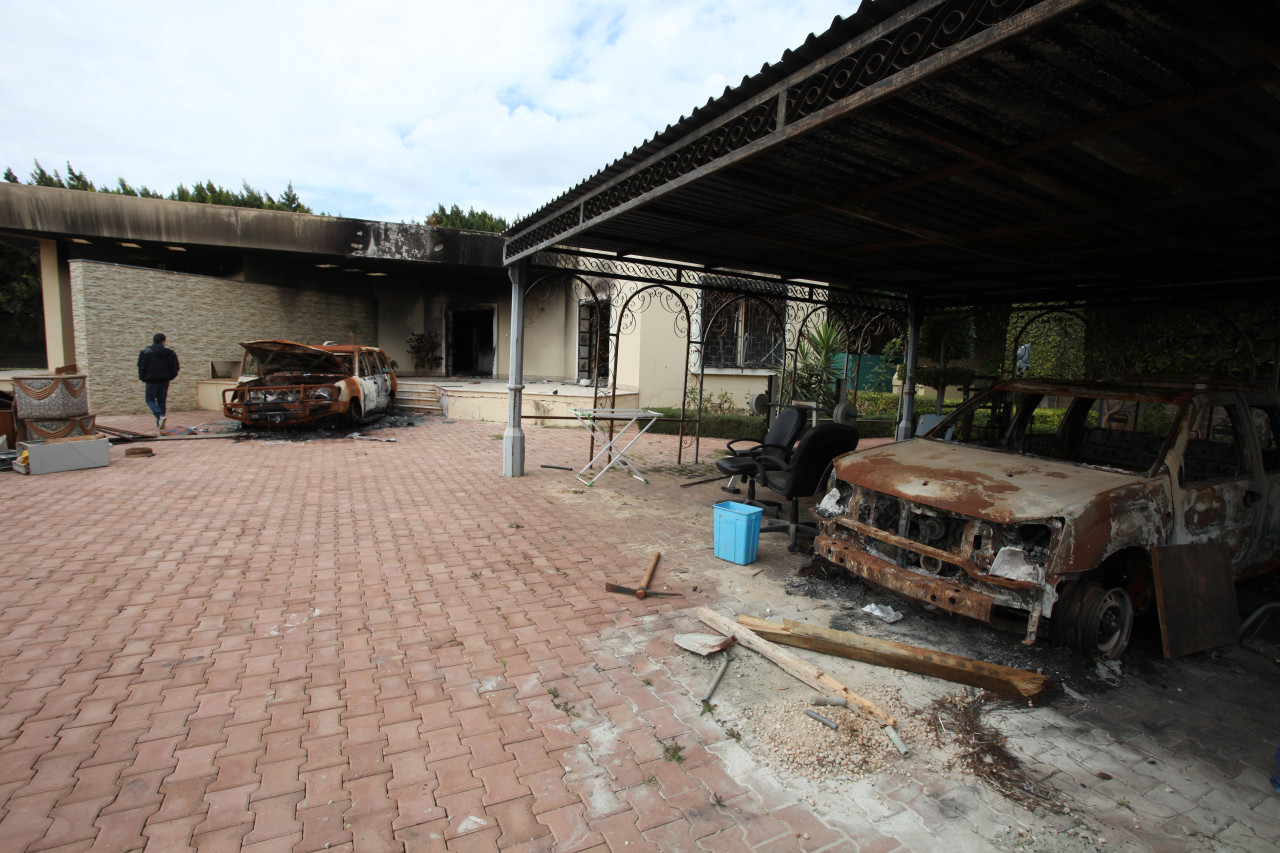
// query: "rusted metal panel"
[[1196, 596], [939, 593], [975, 482]]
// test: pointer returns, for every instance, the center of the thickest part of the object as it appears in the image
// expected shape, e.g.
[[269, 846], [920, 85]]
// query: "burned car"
[[283, 383], [1045, 500]]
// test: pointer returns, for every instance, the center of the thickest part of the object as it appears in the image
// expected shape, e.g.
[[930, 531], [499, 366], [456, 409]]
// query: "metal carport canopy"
[[966, 152]]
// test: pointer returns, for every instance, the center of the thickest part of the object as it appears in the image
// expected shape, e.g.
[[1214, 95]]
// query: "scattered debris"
[[715, 682], [802, 670], [704, 644], [363, 437], [856, 750], [828, 723], [989, 676], [558, 467], [139, 451], [883, 612], [956, 719]]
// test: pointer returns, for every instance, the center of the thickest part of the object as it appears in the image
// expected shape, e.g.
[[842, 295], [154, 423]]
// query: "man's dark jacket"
[[157, 363]]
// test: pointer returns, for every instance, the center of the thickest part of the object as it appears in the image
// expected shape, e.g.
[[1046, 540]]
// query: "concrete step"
[[418, 396]]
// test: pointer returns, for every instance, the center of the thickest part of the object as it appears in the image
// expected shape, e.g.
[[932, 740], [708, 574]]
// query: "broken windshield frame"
[[1114, 432]]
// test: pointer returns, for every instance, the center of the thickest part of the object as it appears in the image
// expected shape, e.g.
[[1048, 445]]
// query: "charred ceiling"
[[970, 152]]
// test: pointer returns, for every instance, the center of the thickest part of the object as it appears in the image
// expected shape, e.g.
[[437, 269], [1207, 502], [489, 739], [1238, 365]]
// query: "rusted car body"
[[283, 383], [1043, 500]]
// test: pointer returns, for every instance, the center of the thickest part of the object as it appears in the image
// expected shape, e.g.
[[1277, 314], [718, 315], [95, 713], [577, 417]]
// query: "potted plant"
[[424, 349]]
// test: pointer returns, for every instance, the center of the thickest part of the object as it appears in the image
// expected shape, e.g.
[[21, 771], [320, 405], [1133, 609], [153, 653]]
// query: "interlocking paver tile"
[[227, 808], [274, 817], [572, 834], [501, 782], [424, 837], [122, 831], [517, 822], [171, 835], [368, 795], [454, 776], [365, 759], [71, 823]]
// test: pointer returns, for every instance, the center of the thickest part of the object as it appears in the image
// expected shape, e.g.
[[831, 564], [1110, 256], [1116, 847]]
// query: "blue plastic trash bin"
[[737, 532]]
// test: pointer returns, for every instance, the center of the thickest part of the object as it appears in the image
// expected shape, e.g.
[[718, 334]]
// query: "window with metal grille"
[[739, 332], [593, 340]]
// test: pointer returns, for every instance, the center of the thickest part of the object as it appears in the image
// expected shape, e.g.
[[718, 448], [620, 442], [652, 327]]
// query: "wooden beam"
[[793, 665], [989, 676]]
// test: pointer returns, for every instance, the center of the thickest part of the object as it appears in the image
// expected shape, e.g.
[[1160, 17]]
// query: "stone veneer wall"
[[117, 309]]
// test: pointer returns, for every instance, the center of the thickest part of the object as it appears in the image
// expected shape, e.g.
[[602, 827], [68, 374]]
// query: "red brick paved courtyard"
[[367, 646]]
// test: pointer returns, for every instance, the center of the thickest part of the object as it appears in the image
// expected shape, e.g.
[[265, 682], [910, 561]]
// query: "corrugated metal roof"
[[1057, 149]]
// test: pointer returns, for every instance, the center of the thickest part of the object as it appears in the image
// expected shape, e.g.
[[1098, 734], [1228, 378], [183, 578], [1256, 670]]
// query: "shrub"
[[713, 425]]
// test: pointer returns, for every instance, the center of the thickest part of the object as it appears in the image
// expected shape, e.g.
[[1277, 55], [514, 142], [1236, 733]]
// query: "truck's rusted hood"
[[290, 357], [1000, 487]]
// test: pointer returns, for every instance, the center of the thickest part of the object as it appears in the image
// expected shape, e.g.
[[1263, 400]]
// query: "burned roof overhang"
[[106, 220], [972, 152]]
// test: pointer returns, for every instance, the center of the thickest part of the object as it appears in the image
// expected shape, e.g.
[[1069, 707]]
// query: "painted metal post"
[[907, 426], [513, 437], [55, 288]]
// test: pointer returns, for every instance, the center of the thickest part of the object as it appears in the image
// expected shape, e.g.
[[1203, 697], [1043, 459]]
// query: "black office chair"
[[778, 442], [802, 475]]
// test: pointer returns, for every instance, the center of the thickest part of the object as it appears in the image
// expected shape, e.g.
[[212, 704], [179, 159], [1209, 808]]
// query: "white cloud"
[[378, 110]]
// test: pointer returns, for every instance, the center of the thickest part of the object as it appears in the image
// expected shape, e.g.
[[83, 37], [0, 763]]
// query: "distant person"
[[157, 366]]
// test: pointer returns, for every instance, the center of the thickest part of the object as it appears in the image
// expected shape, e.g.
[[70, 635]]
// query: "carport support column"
[[55, 286], [915, 318], [513, 438]]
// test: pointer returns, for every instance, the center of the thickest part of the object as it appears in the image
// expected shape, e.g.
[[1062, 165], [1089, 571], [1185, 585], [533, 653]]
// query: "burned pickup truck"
[[283, 383], [1045, 500]]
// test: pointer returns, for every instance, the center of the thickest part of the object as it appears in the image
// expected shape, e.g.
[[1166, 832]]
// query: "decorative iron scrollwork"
[[917, 39], [546, 231], [657, 272], [742, 129]]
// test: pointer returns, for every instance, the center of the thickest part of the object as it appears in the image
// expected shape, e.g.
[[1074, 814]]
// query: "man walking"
[[157, 366]]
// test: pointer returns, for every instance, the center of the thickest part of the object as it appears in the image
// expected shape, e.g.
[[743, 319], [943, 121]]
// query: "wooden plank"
[[794, 665], [1004, 680], [1196, 597]]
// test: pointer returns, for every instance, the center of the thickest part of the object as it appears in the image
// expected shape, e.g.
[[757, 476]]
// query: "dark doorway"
[[471, 342]]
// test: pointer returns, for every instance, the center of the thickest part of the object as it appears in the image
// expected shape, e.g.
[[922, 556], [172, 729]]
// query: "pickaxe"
[[644, 584]]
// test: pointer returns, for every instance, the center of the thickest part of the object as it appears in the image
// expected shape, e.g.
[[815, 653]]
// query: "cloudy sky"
[[378, 110]]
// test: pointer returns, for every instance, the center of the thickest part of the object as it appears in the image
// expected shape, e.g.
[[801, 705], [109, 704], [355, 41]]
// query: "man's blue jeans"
[[157, 394]]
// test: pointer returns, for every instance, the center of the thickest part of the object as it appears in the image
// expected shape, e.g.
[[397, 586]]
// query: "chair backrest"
[[785, 430], [786, 427], [810, 459]]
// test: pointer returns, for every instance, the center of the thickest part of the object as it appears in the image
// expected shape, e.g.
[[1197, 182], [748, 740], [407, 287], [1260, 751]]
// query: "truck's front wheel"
[[1094, 621]]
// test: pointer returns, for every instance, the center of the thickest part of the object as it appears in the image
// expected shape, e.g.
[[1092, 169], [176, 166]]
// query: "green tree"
[[471, 220], [21, 305], [205, 193]]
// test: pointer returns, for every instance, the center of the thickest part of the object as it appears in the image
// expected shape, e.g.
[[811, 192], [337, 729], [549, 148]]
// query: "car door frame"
[[1239, 500]]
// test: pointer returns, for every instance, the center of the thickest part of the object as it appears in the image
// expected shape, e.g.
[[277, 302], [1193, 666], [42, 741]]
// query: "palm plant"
[[816, 367]]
